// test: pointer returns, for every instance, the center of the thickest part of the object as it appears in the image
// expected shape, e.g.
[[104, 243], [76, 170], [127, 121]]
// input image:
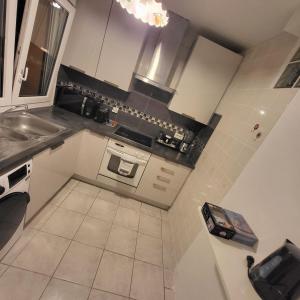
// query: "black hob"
[[134, 136]]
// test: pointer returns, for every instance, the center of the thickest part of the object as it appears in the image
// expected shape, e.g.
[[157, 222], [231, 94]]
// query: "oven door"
[[122, 167], [12, 212]]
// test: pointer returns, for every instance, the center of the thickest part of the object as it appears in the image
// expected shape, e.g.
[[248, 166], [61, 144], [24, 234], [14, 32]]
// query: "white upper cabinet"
[[205, 79], [7, 38], [45, 29], [87, 34], [122, 44]]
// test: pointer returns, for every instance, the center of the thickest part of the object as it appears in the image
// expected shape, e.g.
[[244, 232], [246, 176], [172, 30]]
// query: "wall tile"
[[250, 100]]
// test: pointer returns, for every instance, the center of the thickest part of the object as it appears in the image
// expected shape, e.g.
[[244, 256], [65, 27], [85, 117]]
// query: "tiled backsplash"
[[134, 104], [121, 106]]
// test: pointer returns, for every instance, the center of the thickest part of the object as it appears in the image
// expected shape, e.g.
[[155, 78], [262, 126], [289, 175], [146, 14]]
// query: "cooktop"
[[134, 136]]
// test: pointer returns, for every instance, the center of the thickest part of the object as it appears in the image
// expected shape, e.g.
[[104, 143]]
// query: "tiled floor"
[[89, 243]]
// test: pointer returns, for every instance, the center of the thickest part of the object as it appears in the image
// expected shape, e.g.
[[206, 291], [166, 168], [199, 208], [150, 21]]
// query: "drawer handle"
[[167, 171], [159, 187], [163, 179]]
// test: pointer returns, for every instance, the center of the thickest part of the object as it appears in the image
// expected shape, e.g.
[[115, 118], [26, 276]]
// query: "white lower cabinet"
[[162, 181], [91, 152], [51, 170]]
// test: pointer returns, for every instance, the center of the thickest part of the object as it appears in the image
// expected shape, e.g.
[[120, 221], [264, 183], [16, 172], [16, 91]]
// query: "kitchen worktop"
[[73, 124]]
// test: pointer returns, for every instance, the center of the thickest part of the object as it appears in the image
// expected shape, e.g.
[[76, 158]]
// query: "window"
[[291, 76]]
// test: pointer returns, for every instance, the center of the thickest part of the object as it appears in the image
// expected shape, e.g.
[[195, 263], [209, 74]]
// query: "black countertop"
[[73, 124]]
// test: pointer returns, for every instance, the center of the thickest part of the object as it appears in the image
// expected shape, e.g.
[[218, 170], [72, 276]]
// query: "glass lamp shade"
[[148, 11]]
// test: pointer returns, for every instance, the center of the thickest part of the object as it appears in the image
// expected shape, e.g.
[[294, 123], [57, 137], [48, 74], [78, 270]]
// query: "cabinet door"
[[162, 181], [91, 152], [208, 73], [45, 27], [122, 45], [87, 34], [7, 33], [51, 170]]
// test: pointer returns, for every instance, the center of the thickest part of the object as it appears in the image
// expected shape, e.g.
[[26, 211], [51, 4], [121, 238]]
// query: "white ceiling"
[[238, 23]]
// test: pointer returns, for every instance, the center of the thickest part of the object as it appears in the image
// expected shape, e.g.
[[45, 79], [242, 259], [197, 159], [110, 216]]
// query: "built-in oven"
[[124, 163]]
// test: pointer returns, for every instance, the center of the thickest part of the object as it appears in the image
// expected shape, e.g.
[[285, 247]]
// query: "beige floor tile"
[[149, 249], [169, 294], [130, 203], [3, 268], [100, 295], [60, 196], [114, 274], [164, 215], [63, 290], [42, 217], [71, 184], [103, 210], [150, 226], [93, 232], [42, 254], [25, 238], [151, 210], [166, 231], [168, 256], [79, 202], [122, 240], [17, 284], [63, 223], [128, 218], [109, 196], [88, 189], [147, 282], [79, 265], [169, 279]]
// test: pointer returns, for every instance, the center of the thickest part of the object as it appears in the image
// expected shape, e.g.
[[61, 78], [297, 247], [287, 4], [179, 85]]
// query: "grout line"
[[63, 256]]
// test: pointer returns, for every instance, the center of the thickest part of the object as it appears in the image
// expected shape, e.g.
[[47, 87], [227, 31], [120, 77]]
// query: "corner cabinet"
[[52, 168], [121, 48], [8, 9], [205, 79], [42, 40], [162, 181], [90, 155]]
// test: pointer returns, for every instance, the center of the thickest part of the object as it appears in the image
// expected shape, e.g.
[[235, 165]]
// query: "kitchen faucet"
[[14, 107]]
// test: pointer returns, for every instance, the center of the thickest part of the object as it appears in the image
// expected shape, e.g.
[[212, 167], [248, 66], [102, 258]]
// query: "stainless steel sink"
[[11, 135], [20, 131], [30, 125]]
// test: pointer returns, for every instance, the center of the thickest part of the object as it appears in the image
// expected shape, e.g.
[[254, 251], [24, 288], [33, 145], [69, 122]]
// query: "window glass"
[[2, 39], [48, 30]]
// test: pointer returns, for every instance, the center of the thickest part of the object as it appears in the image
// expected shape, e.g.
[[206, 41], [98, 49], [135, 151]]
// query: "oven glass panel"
[[12, 212], [123, 168]]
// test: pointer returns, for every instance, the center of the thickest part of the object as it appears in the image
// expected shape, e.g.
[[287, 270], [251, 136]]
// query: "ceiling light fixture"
[[148, 11]]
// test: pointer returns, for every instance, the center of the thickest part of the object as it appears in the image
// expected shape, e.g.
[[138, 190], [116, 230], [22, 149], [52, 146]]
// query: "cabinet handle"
[[190, 117], [110, 83], [163, 179], [167, 171], [159, 187], [57, 145], [77, 69]]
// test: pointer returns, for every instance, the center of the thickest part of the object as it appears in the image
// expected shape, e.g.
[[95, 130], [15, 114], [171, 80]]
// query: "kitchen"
[[120, 120]]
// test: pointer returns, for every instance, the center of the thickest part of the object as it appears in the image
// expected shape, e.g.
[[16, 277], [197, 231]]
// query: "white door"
[[7, 37], [87, 34], [206, 76], [45, 28], [121, 48]]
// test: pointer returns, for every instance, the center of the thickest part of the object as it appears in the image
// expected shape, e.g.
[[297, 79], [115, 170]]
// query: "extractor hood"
[[164, 53]]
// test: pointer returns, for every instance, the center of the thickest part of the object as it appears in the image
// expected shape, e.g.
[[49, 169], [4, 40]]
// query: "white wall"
[[233, 142], [227, 153], [267, 192]]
